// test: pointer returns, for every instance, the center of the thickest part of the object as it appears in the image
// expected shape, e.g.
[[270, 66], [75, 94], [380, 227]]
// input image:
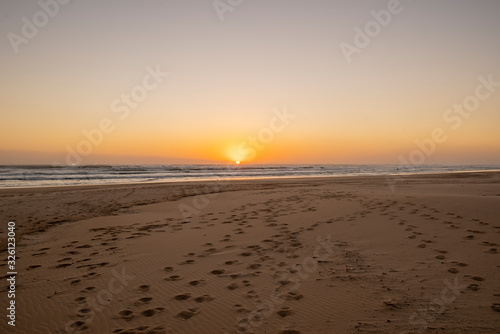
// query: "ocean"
[[46, 175]]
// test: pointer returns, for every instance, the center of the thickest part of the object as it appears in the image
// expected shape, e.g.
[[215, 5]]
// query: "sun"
[[237, 154]]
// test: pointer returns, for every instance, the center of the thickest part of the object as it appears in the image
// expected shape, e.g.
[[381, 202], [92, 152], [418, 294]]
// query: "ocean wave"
[[47, 175]]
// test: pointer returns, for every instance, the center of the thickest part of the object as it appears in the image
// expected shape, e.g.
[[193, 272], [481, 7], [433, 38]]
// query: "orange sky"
[[227, 79]]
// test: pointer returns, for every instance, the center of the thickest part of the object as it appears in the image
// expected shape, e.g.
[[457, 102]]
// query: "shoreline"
[[297, 246], [193, 181]]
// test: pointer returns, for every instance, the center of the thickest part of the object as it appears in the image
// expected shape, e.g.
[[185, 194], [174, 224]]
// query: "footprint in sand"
[[91, 274], [487, 243], [204, 298], [126, 314], [97, 265], [84, 311], [238, 308], [80, 300], [143, 300], [39, 254], [290, 331], [284, 312], [183, 296], [173, 278], [460, 264], [144, 287], [197, 282], [495, 307], [84, 260], [142, 330], [187, 314], [217, 272], [254, 266], [84, 246], [476, 232], [251, 294], [89, 288], [151, 312], [168, 269], [453, 270], [292, 295], [75, 282], [79, 326], [34, 266], [232, 286]]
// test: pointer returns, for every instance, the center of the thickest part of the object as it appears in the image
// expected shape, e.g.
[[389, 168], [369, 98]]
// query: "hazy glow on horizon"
[[227, 78]]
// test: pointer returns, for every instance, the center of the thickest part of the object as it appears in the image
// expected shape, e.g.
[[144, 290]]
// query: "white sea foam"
[[34, 176]]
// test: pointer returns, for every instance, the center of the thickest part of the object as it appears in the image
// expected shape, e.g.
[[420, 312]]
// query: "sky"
[[284, 81]]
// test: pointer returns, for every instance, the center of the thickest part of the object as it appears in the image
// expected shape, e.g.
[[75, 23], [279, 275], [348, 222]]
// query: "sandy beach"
[[283, 256]]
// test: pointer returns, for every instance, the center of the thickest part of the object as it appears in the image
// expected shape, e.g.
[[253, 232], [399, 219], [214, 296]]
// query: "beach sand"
[[305, 255]]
